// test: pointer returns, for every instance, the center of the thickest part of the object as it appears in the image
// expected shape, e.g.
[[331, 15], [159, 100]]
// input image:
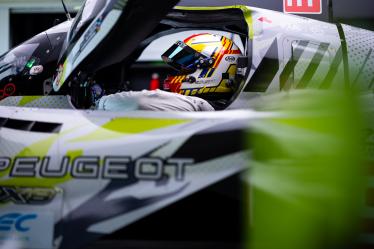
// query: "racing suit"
[[155, 100]]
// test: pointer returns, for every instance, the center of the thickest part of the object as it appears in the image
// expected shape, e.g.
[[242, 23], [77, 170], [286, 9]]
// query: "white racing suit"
[[155, 100]]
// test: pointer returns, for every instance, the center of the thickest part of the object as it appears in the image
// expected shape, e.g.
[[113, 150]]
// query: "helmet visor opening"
[[182, 57]]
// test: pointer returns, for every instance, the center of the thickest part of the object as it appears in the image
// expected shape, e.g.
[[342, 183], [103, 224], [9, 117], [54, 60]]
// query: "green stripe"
[[28, 99]]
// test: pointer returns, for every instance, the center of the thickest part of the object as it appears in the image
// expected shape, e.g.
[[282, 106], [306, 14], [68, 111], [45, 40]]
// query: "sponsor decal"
[[94, 167], [8, 90], [16, 222], [89, 35], [26, 229], [230, 58], [26, 195], [302, 6]]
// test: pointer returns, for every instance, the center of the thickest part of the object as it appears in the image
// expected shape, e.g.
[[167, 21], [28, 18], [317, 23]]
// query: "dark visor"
[[182, 57]]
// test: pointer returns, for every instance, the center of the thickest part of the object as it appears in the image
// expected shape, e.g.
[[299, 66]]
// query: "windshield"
[[17, 59], [85, 15]]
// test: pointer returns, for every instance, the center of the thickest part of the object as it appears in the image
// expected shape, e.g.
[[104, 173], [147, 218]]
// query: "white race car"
[[70, 175]]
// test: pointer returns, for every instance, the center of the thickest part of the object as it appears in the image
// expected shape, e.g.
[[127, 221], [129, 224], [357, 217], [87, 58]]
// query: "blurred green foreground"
[[306, 181]]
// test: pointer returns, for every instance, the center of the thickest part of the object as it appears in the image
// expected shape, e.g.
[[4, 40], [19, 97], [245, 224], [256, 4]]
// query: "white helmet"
[[206, 65]]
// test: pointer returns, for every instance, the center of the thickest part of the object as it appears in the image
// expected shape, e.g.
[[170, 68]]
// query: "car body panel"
[[128, 164]]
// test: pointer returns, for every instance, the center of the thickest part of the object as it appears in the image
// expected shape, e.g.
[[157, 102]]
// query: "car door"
[[108, 37]]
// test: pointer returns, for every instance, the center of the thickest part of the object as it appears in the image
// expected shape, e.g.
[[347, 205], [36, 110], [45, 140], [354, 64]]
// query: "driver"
[[206, 65]]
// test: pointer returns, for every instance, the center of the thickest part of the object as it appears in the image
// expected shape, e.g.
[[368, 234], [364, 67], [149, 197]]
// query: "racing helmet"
[[206, 65]]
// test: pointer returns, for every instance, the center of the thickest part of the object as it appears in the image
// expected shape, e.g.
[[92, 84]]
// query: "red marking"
[[8, 90], [220, 53], [155, 82], [192, 36], [302, 6], [173, 83], [235, 52], [264, 19]]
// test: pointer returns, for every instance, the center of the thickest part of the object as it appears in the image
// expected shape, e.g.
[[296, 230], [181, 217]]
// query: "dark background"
[[25, 25], [354, 12]]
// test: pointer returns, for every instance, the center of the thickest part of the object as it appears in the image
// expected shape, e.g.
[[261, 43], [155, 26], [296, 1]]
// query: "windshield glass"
[[88, 11], [15, 60]]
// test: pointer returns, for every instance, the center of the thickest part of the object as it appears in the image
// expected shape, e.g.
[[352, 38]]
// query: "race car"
[[70, 176], [27, 69]]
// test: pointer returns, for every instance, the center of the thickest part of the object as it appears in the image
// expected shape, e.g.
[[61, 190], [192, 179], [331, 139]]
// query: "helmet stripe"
[[221, 52], [211, 72], [189, 38], [204, 73], [231, 45], [214, 52], [235, 52]]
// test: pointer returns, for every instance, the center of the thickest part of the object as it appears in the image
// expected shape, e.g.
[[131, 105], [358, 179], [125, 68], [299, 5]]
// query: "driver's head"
[[206, 66]]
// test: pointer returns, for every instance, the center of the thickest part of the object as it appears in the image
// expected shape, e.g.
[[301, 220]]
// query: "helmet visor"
[[182, 57]]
